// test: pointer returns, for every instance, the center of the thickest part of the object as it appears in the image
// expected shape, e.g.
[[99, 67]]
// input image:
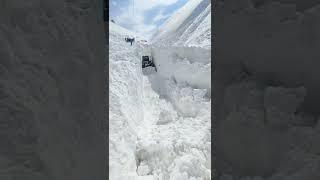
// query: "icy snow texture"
[[125, 104], [52, 90], [186, 64], [189, 26], [180, 147], [159, 123]]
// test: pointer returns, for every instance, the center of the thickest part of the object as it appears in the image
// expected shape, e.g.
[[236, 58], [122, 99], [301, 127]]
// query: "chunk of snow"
[[143, 170]]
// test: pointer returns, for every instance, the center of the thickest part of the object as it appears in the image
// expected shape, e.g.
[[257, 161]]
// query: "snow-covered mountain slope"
[[189, 26], [116, 29]]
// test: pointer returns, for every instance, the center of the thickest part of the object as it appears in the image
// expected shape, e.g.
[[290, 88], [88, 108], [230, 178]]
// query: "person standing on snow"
[[131, 41]]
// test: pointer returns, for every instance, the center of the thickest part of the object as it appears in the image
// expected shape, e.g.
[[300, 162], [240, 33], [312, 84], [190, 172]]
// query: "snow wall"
[[125, 103], [266, 89], [186, 64], [171, 102], [52, 64]]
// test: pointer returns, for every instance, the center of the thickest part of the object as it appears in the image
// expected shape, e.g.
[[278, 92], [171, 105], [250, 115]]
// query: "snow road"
[[159, 124]]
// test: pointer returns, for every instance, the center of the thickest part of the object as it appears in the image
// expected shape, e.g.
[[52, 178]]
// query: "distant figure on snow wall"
[[131, 40]]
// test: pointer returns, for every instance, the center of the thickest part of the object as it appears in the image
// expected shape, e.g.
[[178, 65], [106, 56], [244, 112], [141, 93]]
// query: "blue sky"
[[143, 16]]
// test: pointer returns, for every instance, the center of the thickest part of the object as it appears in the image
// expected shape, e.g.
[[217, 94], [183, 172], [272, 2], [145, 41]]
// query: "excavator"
[[147, 61], [148, 65]]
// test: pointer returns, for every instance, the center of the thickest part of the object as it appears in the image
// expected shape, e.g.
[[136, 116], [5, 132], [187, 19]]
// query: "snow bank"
[[125, 104]]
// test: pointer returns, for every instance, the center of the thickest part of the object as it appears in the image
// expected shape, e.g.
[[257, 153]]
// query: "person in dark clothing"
[[131, 41]]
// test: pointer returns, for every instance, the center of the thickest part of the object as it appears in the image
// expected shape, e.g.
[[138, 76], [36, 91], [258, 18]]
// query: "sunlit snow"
[[159, 123]]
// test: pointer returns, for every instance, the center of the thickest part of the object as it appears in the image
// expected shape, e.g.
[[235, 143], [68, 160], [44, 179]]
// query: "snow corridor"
[[159, 123]]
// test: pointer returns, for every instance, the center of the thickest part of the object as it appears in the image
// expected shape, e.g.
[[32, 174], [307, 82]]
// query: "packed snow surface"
[[159, 124]]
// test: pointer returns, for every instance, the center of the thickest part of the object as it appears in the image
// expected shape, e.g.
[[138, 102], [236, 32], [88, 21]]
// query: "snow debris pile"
[[266, 91], [178, 142], [160, 124]]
